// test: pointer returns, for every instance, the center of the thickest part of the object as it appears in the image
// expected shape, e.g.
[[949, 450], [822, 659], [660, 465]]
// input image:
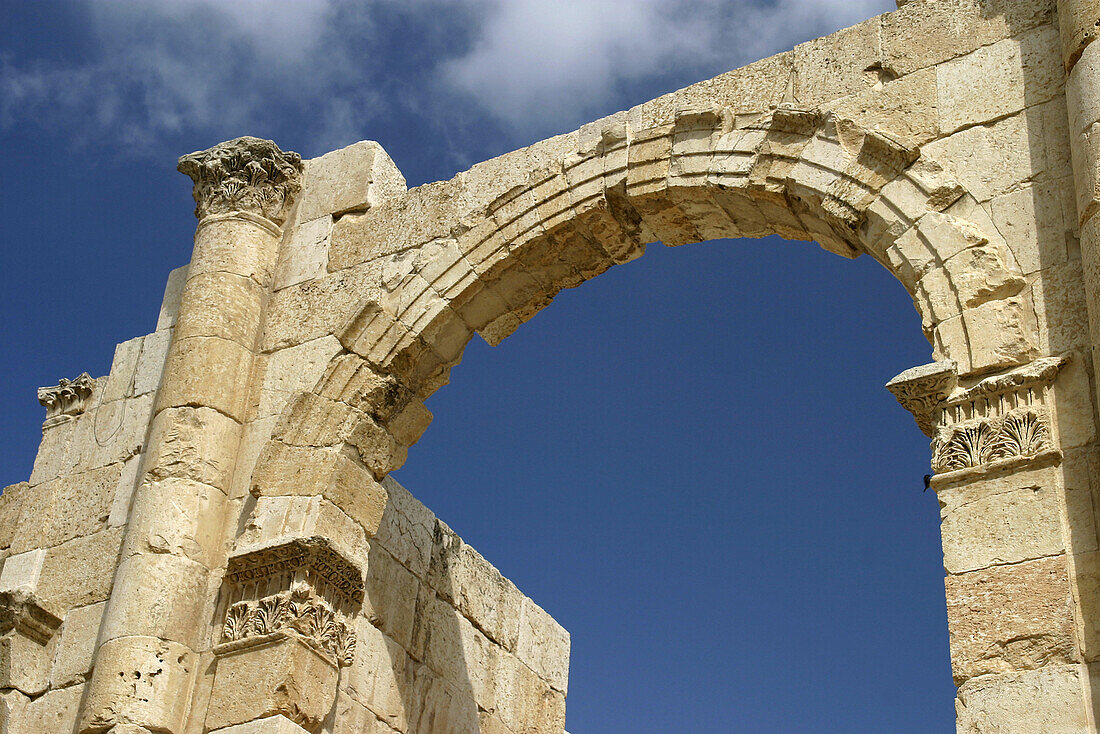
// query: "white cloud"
[[219, 68], [554, 61]]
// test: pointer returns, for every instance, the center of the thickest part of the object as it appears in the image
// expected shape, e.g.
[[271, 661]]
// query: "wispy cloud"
[[163, 68]]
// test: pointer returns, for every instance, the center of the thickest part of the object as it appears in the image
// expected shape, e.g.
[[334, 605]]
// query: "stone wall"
[[211, 541]]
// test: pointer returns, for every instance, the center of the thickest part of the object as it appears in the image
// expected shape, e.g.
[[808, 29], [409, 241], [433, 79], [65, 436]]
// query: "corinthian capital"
[[247, 175]]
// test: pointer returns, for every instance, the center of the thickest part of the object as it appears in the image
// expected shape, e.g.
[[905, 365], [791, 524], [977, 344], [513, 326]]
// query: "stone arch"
[[799, 174]]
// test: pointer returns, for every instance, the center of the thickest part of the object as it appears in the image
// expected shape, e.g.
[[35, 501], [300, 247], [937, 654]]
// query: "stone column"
[[1079, 21], [173, 556]]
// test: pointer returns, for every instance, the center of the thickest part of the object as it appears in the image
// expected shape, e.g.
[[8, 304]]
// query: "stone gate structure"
[[210, 542]]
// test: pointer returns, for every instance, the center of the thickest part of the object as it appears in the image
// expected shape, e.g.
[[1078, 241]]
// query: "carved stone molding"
[[921, 390], [22, 612], [247, 175], [302, 586], [66, 399], [1000, 420]]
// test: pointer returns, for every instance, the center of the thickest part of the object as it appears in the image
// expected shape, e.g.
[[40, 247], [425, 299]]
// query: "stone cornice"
[[23, 612], [247, 174]]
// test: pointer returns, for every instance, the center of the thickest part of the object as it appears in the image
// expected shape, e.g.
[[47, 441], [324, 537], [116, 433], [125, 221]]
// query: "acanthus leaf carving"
[[246, 174], [67, 398]]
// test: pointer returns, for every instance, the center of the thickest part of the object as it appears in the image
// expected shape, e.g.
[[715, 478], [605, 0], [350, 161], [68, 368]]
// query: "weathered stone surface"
[[1003, 519], [268, 725], [354, 178], [282, 676], [1049, 699], [543, 645], [56, 711], [294, 370], [1014, 617], [80, 571], [170, 303], [73, 659], [22, 570], [194, 443], [68, 507]]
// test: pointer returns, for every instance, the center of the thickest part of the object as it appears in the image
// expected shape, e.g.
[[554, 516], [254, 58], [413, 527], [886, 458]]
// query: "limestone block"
[[980, 274], [23, 570], [378, 450], [525, 703], [1001, 519], [543, 645], [1030, 218], [135, 679], [195, 443], [906, 107], [124, 492], [12, 703], [59, 451], [68, 507], [327, 472], [122, 370], [1079, 466], [995, 158], [381, 677], [354, 178], [423, 214], [353, 717], [1007, 618], [207, 371], [11, 509], [167, 594], [56, 711], [1051, 699], [391, 592], [294, 370], [25, 663], [170, 304], [80, 571], [282, 675], [114, 432], [460, 575], [1077, 20], [275, 518], [407, 529], [439, 706], [305, 254], [316, 308], [1072, 398], [1059, 294], [456, 650], [73, 659], [998, 334], [254, 436], [921, 34], [277, 724], [410, 423], [835, 66], [1000, 79], [150, 366]]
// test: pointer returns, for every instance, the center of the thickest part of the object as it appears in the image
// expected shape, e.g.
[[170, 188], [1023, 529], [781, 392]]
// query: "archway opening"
[[692, 464]]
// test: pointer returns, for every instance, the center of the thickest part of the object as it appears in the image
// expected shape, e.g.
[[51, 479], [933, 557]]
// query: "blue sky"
[[690, 461]]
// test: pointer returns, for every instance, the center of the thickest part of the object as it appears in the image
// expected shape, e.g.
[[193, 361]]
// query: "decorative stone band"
[[22, 612], [66, 399], [248, 174], [302, 587], [997, 422], [299, 610]]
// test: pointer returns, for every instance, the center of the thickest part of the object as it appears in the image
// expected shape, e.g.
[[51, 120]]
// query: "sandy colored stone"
[[284, 518], [170, 303], [22, 570], [25, 663], [305, 255], [150, 365], [80, 571], [124, 492], [378, 450], [223, 305], [390, 598], [68, 507], [1014, 617], [299, 471], [1003, 519], [354, 178], [121, 377], [317, 308], [194, 443], [381, 678], [1051, 699], [56, 711], [11, 508], [281, 676], [543, 645], [73, 659], [130, 681], [204, 371], [407, 529], [293, 370], [277, 724], [238, 246]]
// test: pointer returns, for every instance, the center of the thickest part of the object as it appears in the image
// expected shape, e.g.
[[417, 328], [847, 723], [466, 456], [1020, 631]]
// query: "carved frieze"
[[67, 398], [302, 587], [22, 612], [999, 419], [245, 175]]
